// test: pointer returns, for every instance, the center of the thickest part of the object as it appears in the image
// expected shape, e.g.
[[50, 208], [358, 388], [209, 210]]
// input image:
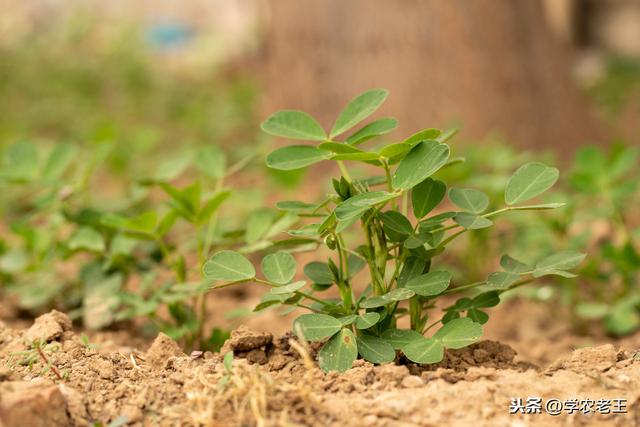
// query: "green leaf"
[[171, 168], [279, 268], [459, 333], [426, 196], [422, 161], [211, 161], [21, 161], [59, 159], [417, 240], [319, 273], [430, 284], [468, 199], [486, 300], [374, 302], [375, 350], [358, 109], [294, 125], [355, 264], [367, 320], [471, 221], [424, 350], [623, 319], [412, 267], [212, 205], [396, 226], [355, 206], [529, 181], [399, 338], [446, 135], [122, 245], [88, 239], [287, 289], [423, 135], [540, 207], [258, 223], [399, 294], [502, 279], [554, 264], [363, 156], [269, 299], [339, 148], [592, 310], [339, 353], [512, 265], [316, 327], [145, 223], [373, 129], [295, 206], [478, 316], [296, 157], [347, 320], [229, 266], [395, 149]]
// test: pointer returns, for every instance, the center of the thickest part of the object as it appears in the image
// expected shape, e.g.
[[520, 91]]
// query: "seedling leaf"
[[459, 333], [469, 200], [529, 181], [375, 350], [358, 109], [279, 267], [339, 353], [296, 156], [295, 125], [316, 327], [228, 266], [430, 284], [424, 350], [421, 162]]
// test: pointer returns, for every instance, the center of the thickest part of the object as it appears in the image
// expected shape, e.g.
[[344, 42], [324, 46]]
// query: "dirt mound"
[[274, 381]]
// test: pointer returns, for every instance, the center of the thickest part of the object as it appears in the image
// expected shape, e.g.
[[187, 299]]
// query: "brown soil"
[[275, 382]]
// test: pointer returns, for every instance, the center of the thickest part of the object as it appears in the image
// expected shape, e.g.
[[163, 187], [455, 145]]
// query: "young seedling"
[[38, 351], [399, 246], [227, 363], [605, 195]]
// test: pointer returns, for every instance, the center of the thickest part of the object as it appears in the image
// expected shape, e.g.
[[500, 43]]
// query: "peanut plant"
[[395, 224], [137, 256]]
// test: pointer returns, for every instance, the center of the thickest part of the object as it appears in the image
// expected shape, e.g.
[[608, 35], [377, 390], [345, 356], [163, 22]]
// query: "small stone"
[[411, 381]]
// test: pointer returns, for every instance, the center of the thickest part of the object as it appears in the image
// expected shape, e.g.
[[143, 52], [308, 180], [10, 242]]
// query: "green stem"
[[211, 226], [464, 287], [343, 170], [265, 282]]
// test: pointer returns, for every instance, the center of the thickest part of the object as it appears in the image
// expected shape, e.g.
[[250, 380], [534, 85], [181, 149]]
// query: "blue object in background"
[[169, 35]]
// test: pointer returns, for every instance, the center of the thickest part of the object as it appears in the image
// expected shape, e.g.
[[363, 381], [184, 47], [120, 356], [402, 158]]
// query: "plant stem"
[[265, 282], [464, 287], [343, 170], [46, 362], [430, 326]]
